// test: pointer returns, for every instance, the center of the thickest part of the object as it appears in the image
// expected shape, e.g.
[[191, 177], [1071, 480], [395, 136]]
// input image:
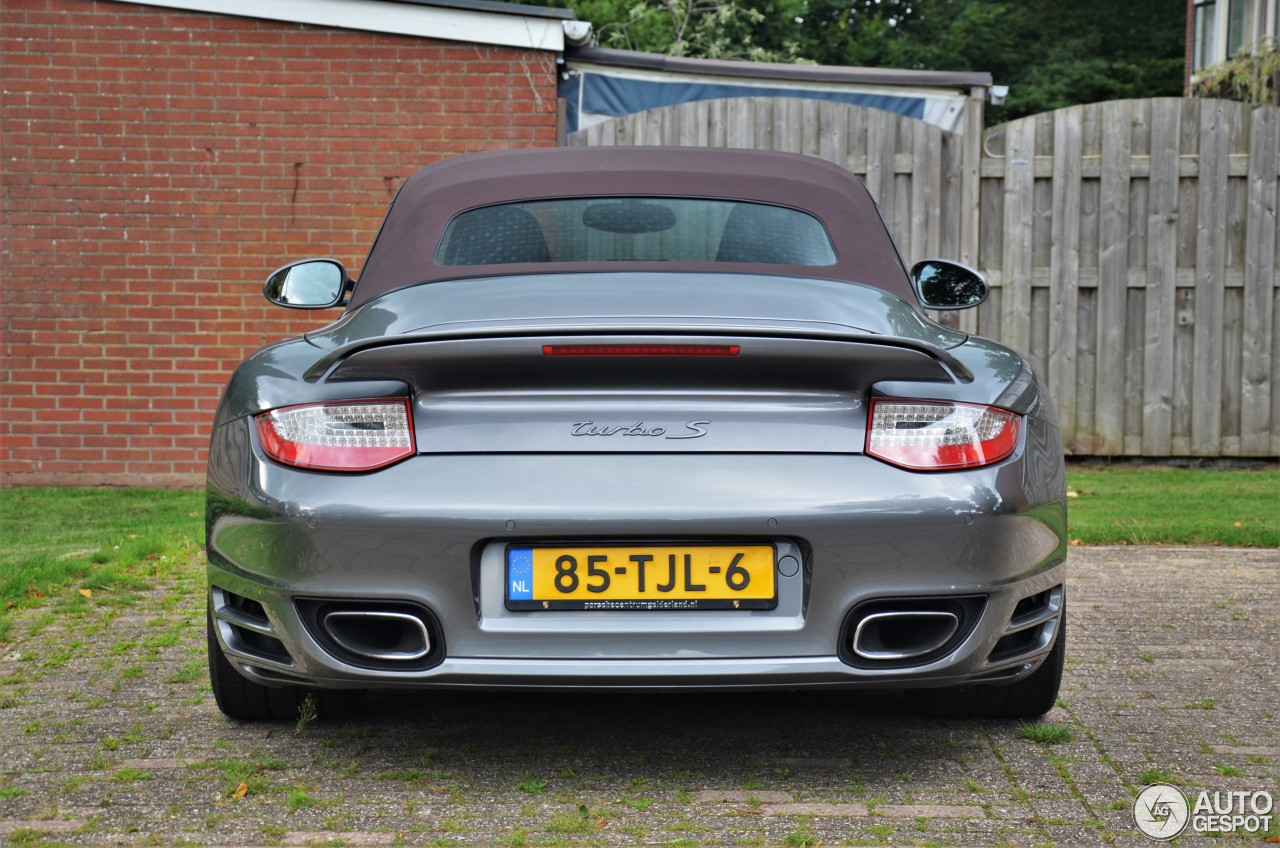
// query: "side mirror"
[[942, 284], [309, 284]]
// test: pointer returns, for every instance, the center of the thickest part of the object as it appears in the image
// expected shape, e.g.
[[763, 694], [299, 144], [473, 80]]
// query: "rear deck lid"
[[639, 363]]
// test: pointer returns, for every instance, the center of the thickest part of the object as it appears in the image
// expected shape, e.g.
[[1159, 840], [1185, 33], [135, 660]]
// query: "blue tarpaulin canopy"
[[599, 84], [614, 97]]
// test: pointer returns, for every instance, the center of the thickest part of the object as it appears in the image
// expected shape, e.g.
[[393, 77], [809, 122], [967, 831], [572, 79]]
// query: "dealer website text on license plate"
[[641, 577]]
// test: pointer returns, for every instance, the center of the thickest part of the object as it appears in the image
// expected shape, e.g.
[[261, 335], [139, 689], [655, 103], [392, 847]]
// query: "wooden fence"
[[1132, 250], [1131, 246]]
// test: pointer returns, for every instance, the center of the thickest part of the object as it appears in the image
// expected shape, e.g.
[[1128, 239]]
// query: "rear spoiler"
[[368, 358]]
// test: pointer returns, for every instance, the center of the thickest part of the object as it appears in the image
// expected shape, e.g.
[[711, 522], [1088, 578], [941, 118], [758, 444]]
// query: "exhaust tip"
[[379, 635], [903, 635]]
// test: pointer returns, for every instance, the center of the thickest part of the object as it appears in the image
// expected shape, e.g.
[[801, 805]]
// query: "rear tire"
[[240, 698], [1028, 698]]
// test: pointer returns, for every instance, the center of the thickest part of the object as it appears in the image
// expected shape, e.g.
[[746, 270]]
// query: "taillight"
[[640, 350], [345, 436], [927, 435]]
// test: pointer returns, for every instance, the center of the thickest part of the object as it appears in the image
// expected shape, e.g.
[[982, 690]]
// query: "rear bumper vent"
[[905, 632], [1032, 626], [385, 635], [245, 628]]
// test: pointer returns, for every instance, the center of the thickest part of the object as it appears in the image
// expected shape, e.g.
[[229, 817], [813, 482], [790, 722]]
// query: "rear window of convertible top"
[[635, 229]]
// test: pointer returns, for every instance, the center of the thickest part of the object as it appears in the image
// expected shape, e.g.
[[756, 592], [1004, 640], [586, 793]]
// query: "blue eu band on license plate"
[[520, 574], [641, 577]]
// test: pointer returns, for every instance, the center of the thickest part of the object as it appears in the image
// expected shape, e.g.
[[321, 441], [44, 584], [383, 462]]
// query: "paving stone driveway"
[[108, 735]]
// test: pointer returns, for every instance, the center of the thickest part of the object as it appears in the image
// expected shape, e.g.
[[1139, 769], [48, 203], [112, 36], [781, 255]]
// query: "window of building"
[[1206, 34], [1241, 25]]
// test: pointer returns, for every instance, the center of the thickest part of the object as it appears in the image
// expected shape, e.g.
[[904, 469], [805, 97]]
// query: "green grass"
[[1157, 776], [1174, 506], [300, 799], [804, 837], [1044, 733], [56, 542], [532, 784], [584, 821], [250, 771]]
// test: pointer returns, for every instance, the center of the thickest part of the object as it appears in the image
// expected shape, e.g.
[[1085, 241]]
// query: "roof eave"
[[472, 21], [777, 71], [496, 7]]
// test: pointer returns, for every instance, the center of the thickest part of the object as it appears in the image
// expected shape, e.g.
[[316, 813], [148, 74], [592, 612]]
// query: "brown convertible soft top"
[[404, 253]]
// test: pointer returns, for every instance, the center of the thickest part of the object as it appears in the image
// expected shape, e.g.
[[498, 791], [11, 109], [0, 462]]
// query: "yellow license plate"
[[641, 577]]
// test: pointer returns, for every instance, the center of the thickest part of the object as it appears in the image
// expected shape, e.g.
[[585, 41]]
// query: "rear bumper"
[[645, 675], [431, 531]]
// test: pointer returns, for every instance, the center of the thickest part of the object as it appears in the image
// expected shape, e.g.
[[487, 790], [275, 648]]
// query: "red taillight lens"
[[932, 435], [347, 436], [640, 350]]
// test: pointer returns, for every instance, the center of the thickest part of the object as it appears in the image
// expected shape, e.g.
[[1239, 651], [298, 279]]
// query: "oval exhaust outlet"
[[903, 635], [388, 636]]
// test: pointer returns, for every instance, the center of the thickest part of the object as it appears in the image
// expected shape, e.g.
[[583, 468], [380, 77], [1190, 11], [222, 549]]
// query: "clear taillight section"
[[933, 435], [347, 436]]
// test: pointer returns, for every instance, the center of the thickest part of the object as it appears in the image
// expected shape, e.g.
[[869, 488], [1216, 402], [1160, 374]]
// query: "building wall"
[[157, 165]]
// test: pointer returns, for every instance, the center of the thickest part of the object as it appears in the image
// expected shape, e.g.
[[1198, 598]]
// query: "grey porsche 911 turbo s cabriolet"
[[635, 419]]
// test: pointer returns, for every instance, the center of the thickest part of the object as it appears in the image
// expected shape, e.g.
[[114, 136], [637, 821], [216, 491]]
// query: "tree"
[[1094, 50], [1051, 53], [709, 29]]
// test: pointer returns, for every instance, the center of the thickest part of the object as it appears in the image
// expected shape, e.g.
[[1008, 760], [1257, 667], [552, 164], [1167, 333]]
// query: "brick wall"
[[157, 165]]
